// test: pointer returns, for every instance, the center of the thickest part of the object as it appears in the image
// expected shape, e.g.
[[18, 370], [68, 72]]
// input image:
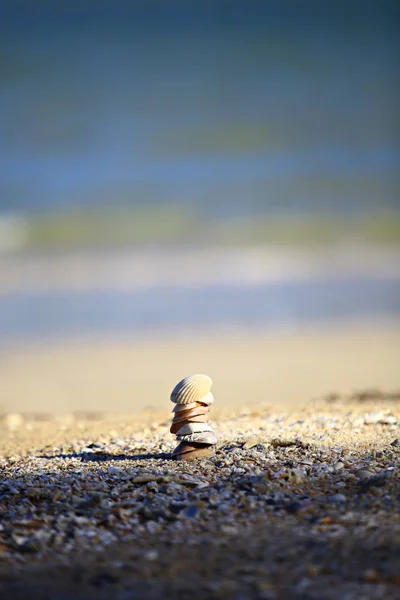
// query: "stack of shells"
[[193, 400]]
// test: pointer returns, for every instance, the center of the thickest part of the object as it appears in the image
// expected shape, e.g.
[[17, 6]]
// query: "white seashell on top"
[[191, 389]]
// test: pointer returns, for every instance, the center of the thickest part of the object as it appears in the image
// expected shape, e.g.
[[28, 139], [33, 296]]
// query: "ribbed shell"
[[191, 389]]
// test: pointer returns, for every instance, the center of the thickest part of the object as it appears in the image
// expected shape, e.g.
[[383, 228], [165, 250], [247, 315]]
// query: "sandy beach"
[[300, 500], [280, 368], [295, 503]]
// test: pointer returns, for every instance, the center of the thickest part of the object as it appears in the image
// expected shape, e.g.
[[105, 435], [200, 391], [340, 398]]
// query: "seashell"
[[175, 427], [191, 389], [185, 447], [193, 399], [189, 428], [198, 419], [203, 452], [203, 437], [189, 414], [181, 407], [207, 400]]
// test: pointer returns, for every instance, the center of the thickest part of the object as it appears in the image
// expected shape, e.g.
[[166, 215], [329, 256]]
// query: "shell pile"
[[193, 399]]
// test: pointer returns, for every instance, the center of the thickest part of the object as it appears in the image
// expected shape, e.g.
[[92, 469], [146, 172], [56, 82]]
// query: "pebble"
[[338, 466], [115, 470], [364, 474], [338, 498]]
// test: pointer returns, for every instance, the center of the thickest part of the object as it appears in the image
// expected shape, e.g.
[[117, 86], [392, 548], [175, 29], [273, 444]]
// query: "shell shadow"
[[107, 456]]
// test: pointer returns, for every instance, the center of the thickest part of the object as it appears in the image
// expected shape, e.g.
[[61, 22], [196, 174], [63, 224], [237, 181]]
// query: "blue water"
[[230, 107], [162, 309]]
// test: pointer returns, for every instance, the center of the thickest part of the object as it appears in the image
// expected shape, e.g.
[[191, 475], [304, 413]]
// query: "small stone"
[[151, 555], [395, 443], [253, 441], [371, 575], [363, 474], [191, 511], [228, 529], [152, 527], [294, 507], [338, 466], [338, 498], [296, 475], [115, 470]]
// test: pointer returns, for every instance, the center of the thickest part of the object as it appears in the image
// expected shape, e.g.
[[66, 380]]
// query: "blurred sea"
[[228, 109], [232, 107], [194, 290]]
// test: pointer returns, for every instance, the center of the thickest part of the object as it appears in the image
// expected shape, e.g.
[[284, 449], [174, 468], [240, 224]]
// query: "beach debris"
[[280, 443], [380, 418], [14, 421], [192, 399]]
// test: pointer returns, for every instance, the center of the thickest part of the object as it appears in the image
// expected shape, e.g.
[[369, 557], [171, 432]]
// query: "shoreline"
[[131, 270], [127, 375]]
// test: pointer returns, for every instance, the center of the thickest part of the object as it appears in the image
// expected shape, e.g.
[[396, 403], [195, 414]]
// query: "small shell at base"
[[198, 453], [185, 447], [191, 389]]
